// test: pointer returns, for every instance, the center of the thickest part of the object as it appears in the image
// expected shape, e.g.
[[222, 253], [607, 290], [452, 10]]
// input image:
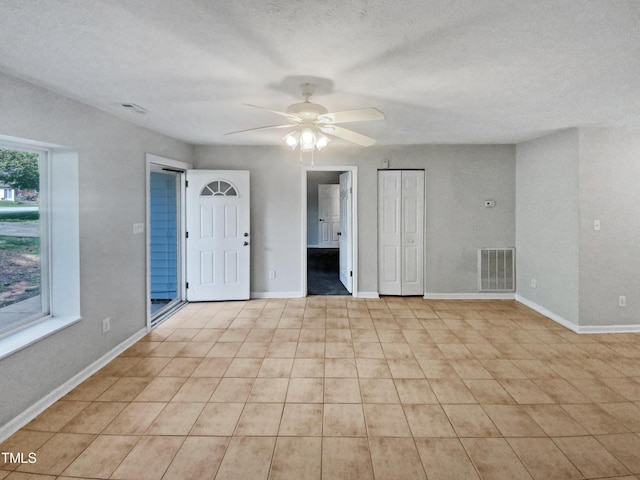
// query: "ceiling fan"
[[311, 123]]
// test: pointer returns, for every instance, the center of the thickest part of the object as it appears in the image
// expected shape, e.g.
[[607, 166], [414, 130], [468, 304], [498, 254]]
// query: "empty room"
[[319, 240]]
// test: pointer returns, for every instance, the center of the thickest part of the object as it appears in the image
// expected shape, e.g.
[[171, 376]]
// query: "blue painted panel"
[[163, 232]]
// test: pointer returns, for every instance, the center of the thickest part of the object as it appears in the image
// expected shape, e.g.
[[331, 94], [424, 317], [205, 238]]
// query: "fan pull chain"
[[312, 157]]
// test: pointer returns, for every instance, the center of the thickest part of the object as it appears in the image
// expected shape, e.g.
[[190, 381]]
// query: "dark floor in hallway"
[[323, 272]]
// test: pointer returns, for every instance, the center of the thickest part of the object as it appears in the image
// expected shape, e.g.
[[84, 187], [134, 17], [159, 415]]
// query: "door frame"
[[183, 167], [354, 220]]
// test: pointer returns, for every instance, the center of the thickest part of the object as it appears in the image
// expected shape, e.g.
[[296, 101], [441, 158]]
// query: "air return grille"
[[496, 269]]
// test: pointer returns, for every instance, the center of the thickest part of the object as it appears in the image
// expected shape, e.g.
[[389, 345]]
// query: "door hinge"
[[187, 285], [186, 183], [351, 273], [186, 234]]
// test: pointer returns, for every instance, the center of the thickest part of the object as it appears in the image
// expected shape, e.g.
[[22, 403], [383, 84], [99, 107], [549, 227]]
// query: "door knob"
[[246, 234], [340, 233], [246, 243]]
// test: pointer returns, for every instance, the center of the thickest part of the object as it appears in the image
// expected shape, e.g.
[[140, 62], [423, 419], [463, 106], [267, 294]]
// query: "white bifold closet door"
[[401, 232]]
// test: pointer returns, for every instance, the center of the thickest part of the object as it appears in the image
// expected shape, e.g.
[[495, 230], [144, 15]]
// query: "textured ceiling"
[[443, 71]]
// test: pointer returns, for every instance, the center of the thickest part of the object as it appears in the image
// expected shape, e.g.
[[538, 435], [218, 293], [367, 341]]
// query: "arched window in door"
[[219, 188]]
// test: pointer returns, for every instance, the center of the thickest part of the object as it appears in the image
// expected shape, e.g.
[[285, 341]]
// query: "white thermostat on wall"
[[489, 203]]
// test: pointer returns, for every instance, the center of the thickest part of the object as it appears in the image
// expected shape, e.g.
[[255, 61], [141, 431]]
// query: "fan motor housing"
[[307, 111]]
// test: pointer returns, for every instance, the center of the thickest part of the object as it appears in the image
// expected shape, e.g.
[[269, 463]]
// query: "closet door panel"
[[401, 232], [412, 233], [389, 233]]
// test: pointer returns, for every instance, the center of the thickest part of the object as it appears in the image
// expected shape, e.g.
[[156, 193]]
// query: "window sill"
[[16, 341]]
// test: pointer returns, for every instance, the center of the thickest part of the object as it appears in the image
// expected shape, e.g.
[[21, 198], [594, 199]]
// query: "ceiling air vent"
[[135, 108]]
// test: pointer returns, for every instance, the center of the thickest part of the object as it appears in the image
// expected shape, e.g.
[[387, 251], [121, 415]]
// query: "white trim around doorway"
[[354, 215]]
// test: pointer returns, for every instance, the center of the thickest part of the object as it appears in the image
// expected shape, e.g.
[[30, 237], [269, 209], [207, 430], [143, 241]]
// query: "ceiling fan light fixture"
[[322, 141], [292, 139], [307, 139], [310, 124]]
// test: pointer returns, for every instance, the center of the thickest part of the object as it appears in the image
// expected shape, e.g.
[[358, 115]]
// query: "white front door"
[[401, 232], [328, 215], [218, 236], [345, 234]]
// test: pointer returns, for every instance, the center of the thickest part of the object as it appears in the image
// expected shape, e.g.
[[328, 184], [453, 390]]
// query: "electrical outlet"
[[622, 301], [106, 325], [272, 274], [534, 283]]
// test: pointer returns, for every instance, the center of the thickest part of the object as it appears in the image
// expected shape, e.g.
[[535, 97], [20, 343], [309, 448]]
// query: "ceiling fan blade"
[[357, 115], [348, 135], [287, 125], [291, 117]]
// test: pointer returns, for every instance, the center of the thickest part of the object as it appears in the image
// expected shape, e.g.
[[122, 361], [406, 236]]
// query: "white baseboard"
[[632, 328], [469, 296], [45, 402], [548, 313], [366, 295], [276, 295], [609, 329]]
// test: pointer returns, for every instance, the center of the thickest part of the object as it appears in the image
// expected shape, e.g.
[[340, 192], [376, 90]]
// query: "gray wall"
[[458, 180], [315, 178], [609, 258], [547, 219], [275, 211], [111, 158], [565, 181]]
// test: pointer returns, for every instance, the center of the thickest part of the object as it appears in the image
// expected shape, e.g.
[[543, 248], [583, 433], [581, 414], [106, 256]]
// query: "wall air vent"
[[496, 270]]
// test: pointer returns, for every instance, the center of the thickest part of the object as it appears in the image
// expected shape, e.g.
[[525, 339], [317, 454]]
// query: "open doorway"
[[329, 253], [165, 237]]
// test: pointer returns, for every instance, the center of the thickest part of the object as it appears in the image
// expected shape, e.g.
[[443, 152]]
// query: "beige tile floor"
[[343, 388]]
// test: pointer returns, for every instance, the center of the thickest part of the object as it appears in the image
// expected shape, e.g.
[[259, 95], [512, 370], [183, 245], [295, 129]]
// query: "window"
[[24, 295], [51, 298], [219, 188]]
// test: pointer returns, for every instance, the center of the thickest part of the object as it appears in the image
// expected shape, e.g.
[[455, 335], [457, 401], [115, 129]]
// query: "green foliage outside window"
[[19, 170]]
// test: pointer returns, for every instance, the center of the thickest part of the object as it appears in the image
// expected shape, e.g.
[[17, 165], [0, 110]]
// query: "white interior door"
[[389, 236], [412, 232], [345, 234], [328, 215], [218, 242], [401, 232]]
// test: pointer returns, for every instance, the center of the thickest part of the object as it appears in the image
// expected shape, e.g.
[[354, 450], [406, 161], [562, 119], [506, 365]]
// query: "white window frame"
[[59, 225]]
